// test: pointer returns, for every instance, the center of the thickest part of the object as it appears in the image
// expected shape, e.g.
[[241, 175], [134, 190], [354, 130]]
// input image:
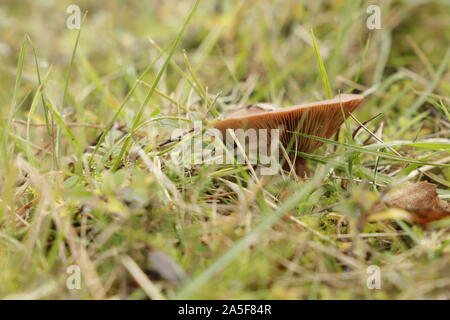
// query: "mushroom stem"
[[300, 166]]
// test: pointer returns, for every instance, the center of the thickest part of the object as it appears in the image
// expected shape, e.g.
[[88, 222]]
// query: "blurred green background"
[[232, 53]]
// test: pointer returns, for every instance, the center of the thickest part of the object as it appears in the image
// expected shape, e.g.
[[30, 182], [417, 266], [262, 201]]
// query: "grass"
[[86, 178]]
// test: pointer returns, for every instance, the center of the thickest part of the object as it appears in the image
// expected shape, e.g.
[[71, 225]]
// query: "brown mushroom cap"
[[321, 119]]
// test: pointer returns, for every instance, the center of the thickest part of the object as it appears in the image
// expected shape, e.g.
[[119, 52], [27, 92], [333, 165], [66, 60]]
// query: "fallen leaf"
[[413, 196], [425, 216], [420, 199], [445, 205]]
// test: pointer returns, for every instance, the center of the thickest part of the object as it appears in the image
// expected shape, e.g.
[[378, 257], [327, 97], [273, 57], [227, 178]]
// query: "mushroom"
[[321, 119]]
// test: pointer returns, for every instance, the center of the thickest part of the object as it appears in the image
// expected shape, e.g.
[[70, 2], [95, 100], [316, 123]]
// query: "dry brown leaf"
[[420, 199], [444, 205], [413, 196], [425, 216]]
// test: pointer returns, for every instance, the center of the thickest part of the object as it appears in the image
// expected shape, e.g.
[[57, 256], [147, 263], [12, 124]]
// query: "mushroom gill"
[[321, 119]]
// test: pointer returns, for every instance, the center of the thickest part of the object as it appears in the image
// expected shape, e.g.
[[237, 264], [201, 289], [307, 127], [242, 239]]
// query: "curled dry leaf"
[[420, 199]]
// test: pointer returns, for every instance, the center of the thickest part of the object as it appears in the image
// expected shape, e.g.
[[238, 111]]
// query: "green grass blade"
[[440, 71], [368, 151], [323, 72], [68, 131], [12, 108], [38, 72], [138, 117], [63, 104], [242, 244], [36, 99]]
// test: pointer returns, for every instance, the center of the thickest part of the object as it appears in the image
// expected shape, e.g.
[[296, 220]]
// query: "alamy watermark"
[[373, 21], [374, 277], [73, 21], [250, 146], [73, 281]]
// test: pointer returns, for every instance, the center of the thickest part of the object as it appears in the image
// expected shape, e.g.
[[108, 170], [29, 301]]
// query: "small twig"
[[219, 195], [423, 169], [177, 139], [363, 124]]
